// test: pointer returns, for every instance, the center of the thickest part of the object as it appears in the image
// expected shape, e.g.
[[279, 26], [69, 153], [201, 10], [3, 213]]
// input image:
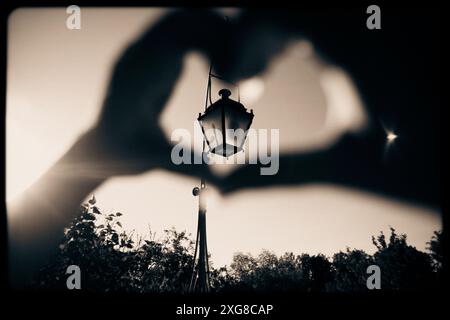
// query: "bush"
[[113, 260]]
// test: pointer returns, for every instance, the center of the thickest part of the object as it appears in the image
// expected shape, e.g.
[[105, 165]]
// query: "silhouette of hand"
[[131, 139], [128, 136]]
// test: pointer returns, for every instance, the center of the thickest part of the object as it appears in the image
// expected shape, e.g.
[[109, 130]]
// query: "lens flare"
[[391, 137]]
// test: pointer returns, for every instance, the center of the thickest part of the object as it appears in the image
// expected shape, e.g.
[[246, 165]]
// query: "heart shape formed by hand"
[[144, 77]]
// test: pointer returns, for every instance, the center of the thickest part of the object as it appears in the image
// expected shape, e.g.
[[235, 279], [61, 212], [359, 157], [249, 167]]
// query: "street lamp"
[[224, 125]]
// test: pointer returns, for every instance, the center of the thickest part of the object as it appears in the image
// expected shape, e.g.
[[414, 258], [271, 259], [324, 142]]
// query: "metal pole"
[[200, 271], [200, 279]]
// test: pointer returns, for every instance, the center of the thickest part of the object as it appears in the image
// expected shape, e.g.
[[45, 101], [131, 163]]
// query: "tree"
[[255, 273], [111, 259], [403, 267], [436, 248], [316, 271], [349, 270]]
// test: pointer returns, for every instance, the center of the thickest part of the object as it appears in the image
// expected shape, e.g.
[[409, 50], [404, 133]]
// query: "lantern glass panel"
[[239, 122], [211, 124]]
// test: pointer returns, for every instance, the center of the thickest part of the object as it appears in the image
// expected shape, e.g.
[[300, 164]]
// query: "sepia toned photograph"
[[231, 150]]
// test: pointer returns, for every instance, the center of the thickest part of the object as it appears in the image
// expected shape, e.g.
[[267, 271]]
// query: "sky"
[[56, 81]]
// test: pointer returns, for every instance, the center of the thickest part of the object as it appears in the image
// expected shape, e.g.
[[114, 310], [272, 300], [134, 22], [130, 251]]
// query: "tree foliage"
[[112, 259]]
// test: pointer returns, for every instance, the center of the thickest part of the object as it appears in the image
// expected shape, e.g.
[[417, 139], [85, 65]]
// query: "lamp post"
[[200, 276], [224, 125]]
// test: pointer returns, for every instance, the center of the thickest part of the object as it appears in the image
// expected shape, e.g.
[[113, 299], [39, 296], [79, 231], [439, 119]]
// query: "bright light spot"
[[251, 90], [391, 137]]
